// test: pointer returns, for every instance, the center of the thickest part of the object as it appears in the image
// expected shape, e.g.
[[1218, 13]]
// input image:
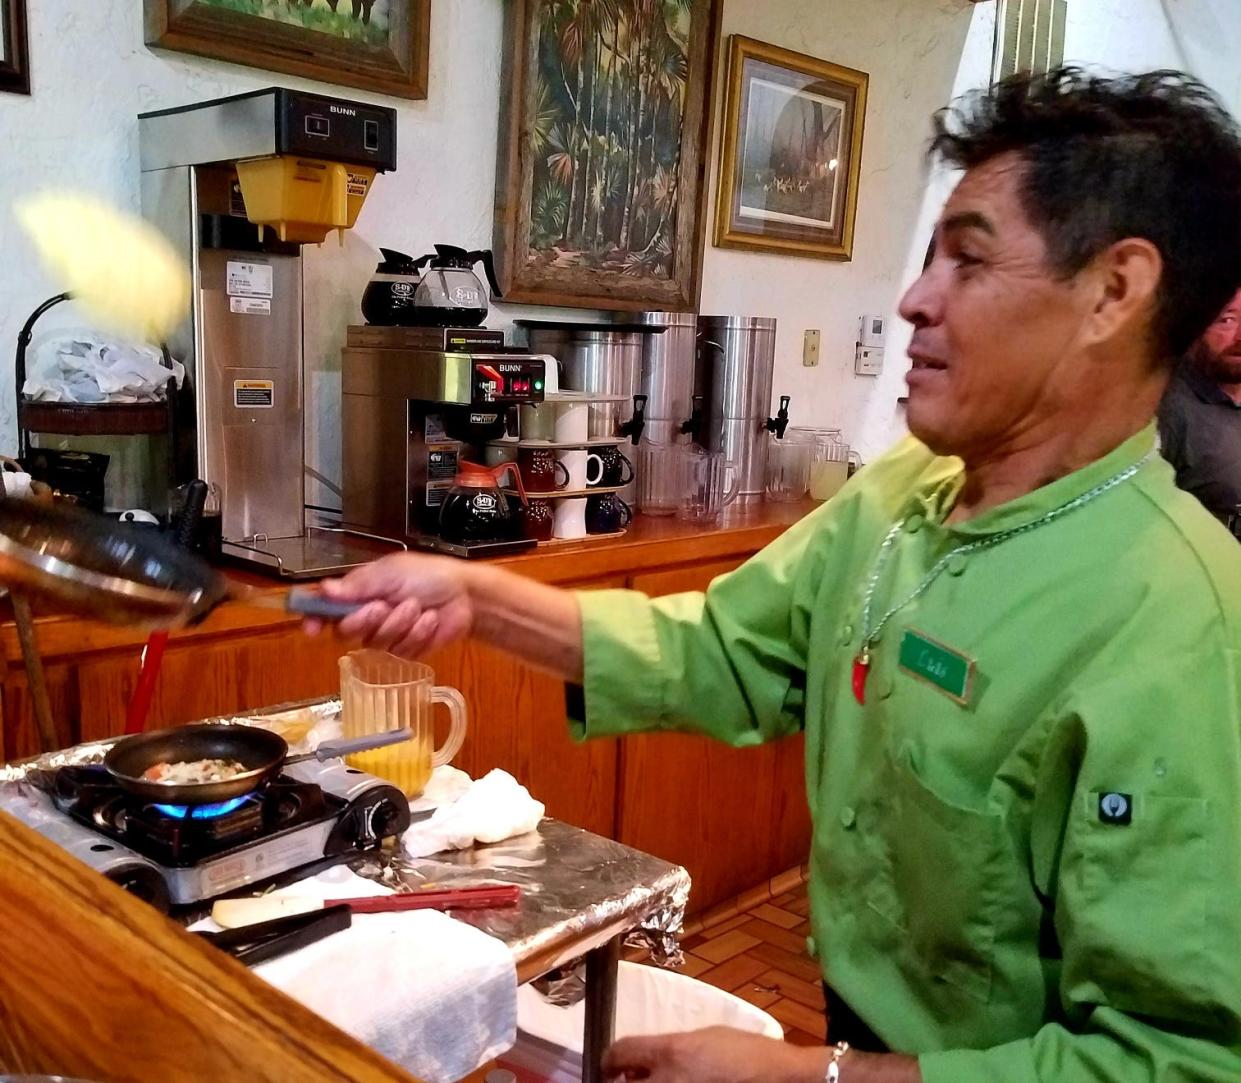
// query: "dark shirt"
[[1200, 434]]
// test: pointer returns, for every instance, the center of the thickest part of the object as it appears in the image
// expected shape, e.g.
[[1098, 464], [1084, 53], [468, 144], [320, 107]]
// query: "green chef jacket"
[[974, 897]]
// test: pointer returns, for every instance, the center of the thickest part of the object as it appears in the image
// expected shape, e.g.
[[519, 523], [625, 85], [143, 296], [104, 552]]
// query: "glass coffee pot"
[[477, 509]]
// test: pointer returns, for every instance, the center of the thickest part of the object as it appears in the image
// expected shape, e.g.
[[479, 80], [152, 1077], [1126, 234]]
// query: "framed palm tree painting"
[[599, 191]]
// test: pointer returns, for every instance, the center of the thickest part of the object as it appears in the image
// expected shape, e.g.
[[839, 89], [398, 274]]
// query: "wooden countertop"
[[650, 542]]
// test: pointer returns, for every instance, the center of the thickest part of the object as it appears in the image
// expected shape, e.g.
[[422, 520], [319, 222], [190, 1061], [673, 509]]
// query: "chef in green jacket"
[[1011, 642]]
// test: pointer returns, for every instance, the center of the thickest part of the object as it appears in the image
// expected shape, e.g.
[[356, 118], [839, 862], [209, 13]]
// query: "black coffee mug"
[[615, 469], [606, 513]]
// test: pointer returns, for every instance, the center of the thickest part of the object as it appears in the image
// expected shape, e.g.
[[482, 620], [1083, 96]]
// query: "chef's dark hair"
[[1155, 156]]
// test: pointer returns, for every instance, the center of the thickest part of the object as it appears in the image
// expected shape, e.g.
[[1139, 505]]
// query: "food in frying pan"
[[190, 771]]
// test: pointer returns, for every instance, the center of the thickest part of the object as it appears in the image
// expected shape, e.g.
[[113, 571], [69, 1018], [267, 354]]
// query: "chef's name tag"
[[938, 665]]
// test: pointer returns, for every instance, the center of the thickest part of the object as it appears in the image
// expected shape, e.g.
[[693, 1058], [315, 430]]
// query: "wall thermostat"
[[870, 331]]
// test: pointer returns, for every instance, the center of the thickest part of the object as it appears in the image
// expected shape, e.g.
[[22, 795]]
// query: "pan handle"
[[309, 603], [331, 749]]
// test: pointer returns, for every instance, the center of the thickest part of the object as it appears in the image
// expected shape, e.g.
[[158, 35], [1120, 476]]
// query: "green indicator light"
[[538, 385]]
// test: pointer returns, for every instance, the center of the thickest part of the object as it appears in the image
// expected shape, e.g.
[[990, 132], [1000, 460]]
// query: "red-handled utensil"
[[466, 898], [237, 913], [153, 653]]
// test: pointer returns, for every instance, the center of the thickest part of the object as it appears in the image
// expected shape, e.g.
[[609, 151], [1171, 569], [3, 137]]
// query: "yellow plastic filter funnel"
[[302, 199]]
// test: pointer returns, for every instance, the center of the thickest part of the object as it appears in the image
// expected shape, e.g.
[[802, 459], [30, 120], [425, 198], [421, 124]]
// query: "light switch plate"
[[810, 349], [868, 360]]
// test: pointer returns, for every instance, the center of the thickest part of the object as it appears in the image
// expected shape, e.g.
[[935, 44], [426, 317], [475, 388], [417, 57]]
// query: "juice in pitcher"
[[380, 692]]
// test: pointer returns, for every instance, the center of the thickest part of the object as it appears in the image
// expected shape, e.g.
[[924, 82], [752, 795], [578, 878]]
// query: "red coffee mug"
[[538, 520], [540, 470]]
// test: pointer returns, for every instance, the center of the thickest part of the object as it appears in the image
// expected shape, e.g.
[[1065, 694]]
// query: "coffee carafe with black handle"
[[389, 298], [450, 294]]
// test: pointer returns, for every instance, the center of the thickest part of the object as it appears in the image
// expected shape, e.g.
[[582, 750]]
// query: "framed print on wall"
[[14, 51], [792, 152], [603, 139], [380, 45]]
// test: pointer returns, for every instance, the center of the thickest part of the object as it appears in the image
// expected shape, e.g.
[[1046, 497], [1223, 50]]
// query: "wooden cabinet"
[[731, 816]]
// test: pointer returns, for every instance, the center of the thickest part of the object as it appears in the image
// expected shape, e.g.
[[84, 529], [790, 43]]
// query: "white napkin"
[[494, 808], [445, 786], [85, 367], [434, 995]]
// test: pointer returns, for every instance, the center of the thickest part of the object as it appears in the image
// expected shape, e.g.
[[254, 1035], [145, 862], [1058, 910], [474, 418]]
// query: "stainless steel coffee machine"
[[239, 185], [415, 403]]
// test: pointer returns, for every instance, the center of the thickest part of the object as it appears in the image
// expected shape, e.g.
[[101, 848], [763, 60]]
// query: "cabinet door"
[[20, 737], [204, 678], [732, 817]]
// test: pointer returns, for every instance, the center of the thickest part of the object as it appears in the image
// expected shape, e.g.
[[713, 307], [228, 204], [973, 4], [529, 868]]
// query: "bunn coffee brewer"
[[239, 184], [415, 403]]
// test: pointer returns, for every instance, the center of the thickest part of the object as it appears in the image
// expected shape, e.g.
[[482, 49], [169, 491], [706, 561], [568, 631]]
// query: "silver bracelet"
[[833, 1070]]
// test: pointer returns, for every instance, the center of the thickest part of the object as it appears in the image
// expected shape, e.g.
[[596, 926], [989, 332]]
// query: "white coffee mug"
[[538, 423], [572, 420], [551, 376], [570, 518], [585, 468]]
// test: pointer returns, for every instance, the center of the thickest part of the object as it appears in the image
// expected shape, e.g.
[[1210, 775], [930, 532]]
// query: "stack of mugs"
[[560, 464]]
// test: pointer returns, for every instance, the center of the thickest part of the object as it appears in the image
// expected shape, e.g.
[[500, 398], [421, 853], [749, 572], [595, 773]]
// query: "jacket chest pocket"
[[940, 880]]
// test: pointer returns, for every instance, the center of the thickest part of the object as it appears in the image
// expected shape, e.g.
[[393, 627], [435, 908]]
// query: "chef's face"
[[1219, 349], [996, 328]]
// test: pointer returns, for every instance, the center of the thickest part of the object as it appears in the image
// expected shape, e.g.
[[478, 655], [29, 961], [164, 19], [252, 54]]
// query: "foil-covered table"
[[582, 895]]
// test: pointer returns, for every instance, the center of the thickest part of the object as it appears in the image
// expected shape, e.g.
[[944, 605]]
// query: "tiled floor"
[[755, 948]]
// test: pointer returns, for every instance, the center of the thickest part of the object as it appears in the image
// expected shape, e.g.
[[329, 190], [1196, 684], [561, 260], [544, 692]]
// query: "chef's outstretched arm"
[[416, 603]]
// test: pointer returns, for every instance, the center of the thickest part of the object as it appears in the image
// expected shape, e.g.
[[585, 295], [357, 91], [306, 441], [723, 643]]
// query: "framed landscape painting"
[[792, 152], [378, 45], [14, 52], [604, 127]]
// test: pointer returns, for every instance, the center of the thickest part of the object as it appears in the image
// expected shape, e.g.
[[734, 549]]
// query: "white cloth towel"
[[434, 995], [494, 808]]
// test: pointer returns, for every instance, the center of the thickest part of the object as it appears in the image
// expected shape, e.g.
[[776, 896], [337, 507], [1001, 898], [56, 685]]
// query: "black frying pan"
[[263, 753], [124, 574]]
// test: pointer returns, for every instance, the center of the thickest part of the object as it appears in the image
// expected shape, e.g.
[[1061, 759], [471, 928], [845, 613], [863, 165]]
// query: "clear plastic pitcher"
[[380, 692], [788, 469], [832, 461], [710, 486], [661, 478]]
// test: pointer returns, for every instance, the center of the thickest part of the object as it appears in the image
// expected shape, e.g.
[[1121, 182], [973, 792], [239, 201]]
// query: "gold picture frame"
[[793, 127], [349, 43]]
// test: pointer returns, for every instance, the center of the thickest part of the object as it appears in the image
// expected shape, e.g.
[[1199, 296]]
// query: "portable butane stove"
[[176, 855]]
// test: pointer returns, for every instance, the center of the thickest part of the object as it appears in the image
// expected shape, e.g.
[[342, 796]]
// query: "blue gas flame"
[[203, 812]]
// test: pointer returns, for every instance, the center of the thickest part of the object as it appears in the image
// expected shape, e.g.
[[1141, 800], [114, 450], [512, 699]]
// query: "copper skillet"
[[124, 574]]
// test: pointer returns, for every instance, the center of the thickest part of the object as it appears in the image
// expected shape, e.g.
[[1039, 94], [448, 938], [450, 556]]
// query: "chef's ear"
[[1126, 277]]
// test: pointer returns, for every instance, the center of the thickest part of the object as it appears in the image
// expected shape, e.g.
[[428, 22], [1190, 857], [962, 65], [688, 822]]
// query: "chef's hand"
[[415, 603], [725, 1055], [714, 1055]]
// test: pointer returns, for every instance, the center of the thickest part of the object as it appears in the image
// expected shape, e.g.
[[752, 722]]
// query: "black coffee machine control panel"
[[507, 381]]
